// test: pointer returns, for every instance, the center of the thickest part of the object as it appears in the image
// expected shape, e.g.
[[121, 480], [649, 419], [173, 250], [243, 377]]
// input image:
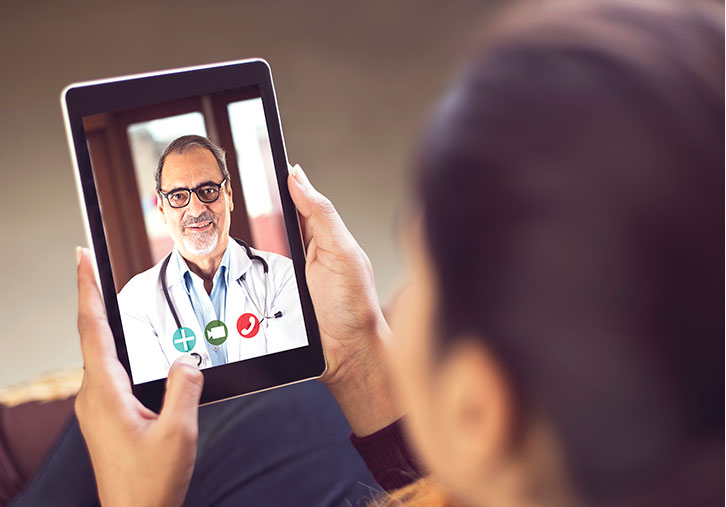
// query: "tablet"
[[182, 177]]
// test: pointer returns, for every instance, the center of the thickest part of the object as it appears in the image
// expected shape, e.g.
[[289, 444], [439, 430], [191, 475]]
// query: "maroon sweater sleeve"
[[388, 457]]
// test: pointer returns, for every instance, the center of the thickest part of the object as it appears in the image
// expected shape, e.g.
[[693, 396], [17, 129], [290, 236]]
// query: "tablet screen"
[[196, 237]]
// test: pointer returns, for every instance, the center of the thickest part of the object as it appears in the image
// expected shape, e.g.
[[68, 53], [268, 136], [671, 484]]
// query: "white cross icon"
[[185, 339]]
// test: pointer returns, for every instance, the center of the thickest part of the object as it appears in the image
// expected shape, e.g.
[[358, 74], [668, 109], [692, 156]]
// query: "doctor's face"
[[199, 230]]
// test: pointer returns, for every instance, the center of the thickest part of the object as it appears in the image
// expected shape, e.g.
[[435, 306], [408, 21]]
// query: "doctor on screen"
[[213, 297]]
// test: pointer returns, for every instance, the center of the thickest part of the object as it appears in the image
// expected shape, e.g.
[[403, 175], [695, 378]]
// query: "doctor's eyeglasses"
[[206, 193]]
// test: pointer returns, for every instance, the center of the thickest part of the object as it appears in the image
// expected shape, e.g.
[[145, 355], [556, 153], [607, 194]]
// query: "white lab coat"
[[149, 325]]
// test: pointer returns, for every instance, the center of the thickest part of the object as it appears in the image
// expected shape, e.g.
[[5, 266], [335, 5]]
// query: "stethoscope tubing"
[[253, 257]]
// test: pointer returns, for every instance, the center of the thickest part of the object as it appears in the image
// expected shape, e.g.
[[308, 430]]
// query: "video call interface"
[[195, 231]]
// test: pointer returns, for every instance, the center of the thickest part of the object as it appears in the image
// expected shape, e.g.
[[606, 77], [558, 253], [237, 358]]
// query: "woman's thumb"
[[183, 391]]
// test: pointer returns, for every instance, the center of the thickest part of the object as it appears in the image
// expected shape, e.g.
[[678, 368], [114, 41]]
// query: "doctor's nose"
[[195, 206]]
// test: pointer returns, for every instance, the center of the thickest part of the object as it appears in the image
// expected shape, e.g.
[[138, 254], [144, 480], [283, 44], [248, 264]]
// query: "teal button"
[[184, 339]]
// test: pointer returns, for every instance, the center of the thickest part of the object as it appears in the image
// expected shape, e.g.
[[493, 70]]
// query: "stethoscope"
[[243, 278]]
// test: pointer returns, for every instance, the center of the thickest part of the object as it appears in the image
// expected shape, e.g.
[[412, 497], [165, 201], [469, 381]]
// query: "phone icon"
[[248, 325]]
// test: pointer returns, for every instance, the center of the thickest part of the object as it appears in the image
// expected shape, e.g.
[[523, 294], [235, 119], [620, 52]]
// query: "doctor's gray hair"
[[182, 145]]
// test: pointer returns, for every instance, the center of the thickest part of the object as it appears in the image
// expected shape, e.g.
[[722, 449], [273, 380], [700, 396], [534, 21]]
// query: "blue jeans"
[[286, 447]]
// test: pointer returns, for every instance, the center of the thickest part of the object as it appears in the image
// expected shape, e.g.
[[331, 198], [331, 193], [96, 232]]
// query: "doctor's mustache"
[[206, 216]]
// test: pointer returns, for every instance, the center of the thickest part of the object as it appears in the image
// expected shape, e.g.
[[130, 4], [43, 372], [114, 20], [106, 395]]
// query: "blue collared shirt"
[[208, 307]]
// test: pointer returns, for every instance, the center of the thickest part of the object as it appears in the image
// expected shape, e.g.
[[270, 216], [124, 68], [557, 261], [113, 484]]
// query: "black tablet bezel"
[[126, 92]]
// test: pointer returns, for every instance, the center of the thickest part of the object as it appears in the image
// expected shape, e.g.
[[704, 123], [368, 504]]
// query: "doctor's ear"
[[160, 206], [229, 196]]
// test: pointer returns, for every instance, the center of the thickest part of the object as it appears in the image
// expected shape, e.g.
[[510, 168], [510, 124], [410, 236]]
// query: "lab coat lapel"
[[238, 304], [234, 298], [239, 263]]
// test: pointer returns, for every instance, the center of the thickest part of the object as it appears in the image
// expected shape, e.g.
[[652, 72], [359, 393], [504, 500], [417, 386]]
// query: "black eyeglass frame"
[[195, 190]]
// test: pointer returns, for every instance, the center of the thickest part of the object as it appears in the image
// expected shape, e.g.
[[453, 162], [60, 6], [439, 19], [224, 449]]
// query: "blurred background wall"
[[355, 81]]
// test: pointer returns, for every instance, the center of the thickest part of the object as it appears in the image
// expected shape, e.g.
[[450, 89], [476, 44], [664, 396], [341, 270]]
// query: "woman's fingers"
[[97, 343], [110, 382], [320, 220]]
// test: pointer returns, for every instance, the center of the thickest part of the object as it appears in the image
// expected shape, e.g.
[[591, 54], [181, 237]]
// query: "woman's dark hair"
[[572, 182]]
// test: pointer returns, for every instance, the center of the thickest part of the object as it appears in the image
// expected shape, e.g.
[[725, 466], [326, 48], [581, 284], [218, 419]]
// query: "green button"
[[216, 332]]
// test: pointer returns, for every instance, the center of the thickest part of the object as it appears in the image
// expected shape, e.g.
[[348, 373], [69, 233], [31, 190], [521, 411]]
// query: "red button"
[[248, 325]]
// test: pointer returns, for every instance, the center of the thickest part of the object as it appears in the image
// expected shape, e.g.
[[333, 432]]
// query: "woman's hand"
[[139, 457], [352, 328]]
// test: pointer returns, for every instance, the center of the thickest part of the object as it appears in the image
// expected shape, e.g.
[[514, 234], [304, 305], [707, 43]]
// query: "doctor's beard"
[[200, 243]]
